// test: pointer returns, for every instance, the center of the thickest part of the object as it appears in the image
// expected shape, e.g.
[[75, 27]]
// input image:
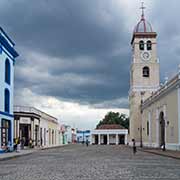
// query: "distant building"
[[68, 134], [74, 135], [31, 123], [7, 62], [109, 134], [63, 130], [82, 136]]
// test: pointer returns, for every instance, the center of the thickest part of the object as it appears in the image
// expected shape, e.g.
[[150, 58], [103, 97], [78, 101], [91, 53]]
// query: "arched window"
[[141, 45], [6, 101], [146, 72], [149, 45], [7, 71]]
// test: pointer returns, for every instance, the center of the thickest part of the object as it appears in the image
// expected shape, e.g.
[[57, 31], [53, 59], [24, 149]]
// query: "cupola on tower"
[[144, 72]]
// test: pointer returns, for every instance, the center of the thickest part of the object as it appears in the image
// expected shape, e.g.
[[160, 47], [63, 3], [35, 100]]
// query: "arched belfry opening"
[[162, 130], [146, 71]]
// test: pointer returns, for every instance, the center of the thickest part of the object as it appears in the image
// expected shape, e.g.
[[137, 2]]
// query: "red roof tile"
[[110, 126]]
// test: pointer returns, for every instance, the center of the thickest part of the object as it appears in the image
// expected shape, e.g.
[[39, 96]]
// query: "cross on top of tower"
[[142, 7]]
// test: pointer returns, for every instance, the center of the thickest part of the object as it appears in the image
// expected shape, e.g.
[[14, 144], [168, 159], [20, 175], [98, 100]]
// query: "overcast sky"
[[75, 54]]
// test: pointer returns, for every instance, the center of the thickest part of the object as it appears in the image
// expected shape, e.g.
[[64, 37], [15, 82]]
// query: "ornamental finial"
[[142, 7]]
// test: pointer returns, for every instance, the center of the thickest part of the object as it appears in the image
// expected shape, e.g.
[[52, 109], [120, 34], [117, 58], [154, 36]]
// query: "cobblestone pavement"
[[78, 162]]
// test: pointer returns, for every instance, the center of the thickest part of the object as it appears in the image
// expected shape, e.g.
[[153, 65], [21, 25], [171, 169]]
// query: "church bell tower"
[[144, 73]]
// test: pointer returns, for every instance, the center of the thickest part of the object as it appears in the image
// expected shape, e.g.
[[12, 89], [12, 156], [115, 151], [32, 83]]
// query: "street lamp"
[[141, 143]]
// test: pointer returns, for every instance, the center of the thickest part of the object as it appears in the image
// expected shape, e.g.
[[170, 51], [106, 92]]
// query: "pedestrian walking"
[[22, 142], [17, 143], [30, 143], [87, 142], [8, 148], [134, 146]]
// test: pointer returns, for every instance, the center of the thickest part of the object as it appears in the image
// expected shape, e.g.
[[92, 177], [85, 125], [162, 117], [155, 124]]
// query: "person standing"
[[17, 142], [134, 146], [19, 145], [41, 142], [87, 142]]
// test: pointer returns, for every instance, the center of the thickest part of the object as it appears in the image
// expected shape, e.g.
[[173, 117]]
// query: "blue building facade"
[[7, 62], [82, 136]]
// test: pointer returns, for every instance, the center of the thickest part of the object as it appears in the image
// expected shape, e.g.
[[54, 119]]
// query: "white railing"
[[27, 109]]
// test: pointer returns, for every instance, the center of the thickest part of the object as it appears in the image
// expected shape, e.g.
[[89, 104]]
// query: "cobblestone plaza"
[[78, 162]]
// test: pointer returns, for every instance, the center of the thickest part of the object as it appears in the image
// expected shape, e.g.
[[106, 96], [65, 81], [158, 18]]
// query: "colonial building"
[[109, 134], [27, 124], [42, 128], [63, 131], [161, 116], [7, 62], [154, 109]]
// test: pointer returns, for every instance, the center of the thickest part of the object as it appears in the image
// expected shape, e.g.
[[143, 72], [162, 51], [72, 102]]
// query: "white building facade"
[[40, 127], [109, 135], [7, 62]]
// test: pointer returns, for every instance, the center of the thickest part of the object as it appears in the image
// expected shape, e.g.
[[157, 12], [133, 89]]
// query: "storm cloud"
[[78, 51]]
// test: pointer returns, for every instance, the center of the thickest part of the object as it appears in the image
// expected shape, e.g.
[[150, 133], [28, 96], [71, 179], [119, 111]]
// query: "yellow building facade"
[[161, 117]]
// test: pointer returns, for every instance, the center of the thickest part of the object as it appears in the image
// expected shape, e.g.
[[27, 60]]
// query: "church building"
[[7, 61], [154, 109]]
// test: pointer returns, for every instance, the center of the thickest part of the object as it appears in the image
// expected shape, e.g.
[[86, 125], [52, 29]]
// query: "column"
[[107, 139], [157, 127], [116, 139], [32, 131], [18, 128], [99, 139], [12, 132], [165, 119], [15, 127], [91, 139], [125, 138]]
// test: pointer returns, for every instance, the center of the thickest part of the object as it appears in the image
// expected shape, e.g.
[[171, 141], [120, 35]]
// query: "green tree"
[[115, 118]]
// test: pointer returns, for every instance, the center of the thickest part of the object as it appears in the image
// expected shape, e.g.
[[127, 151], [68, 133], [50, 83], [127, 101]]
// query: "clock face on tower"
[[146, 55]]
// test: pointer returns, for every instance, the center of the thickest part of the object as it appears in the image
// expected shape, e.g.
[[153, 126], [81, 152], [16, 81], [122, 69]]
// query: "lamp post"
[[163, 126], [141, 143]]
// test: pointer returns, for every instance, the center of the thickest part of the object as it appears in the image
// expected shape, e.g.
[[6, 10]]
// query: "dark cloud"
[[76, 50], [79, 50], [165, 19]]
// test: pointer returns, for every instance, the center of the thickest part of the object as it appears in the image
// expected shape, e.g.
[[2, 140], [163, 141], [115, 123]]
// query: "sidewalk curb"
[[160, 154], [54, 147], [16, 156], [29, 153]]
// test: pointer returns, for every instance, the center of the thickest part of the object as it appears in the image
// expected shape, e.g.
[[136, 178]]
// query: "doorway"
[[24, 133], [105, 139], [121, 139], [96, 139], [161, 129]]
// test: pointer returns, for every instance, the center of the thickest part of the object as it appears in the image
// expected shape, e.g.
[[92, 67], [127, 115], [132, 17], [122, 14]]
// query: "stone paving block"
[[78, 162]]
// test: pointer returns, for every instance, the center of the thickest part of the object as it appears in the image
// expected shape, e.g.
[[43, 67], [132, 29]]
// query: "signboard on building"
[[25, 120]]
